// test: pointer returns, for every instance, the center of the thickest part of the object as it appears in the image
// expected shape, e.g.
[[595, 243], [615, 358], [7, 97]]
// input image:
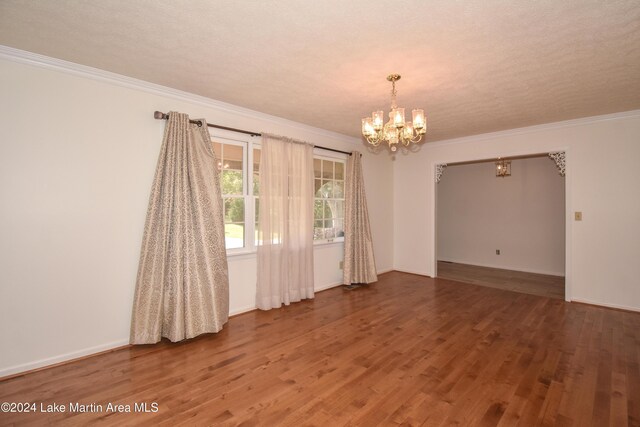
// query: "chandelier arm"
[[374, 141], [419, 138]]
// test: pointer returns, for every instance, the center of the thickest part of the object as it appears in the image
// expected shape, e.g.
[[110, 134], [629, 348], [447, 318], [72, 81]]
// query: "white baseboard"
[[324, 288], [61, 358], [503, 267], [618, 306], [242, 310], [419, 273]]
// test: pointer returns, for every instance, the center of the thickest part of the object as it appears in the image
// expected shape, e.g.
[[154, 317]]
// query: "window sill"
[[242, 253], [329, 242], [237, 253]]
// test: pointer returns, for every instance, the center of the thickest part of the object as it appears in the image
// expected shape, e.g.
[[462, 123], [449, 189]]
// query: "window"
[[240, 185], [238, 192], [328, 209], [231, 165]]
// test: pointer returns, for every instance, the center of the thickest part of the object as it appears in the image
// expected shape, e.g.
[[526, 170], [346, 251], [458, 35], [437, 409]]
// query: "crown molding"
[[42, 61], [537, 128]]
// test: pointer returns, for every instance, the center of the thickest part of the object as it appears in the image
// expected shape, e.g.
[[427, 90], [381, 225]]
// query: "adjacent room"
[[320, 213], [501, 223]]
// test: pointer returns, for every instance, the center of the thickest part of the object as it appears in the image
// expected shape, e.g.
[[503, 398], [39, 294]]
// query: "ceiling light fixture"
[[503, 168], [396, 130]]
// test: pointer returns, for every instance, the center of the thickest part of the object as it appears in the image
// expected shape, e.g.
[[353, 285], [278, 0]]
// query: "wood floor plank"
[[516, 281], [407, 350]]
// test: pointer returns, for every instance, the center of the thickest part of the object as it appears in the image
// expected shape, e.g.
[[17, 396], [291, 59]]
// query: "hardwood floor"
[[517, 281], [407, 350]]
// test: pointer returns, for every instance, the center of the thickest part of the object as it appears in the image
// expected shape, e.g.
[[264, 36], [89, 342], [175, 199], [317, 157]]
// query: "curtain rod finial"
[[159, 115]]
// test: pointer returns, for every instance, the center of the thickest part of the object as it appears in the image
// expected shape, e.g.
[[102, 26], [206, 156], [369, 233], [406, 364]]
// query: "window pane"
[[233, 209], [318, 233], [257, 210], [338, 209], [326, 189], [317, 185], [338, 226], [327, 169], [256, 160], [256, 172], [256, 205], [231, 182], [327, 209], [233, 154], [338, 189], [317, 164], [339, 170], [256, 184], [318, 210], [234, 236], [335, 209]]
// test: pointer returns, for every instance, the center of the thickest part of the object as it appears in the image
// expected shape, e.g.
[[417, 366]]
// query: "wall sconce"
[[503, 168]]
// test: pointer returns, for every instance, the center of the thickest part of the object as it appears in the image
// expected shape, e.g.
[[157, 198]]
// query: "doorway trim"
[[433, 226]]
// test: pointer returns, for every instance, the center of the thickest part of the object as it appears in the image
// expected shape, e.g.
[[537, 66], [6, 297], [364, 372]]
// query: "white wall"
[[78, 150], [603, 181], [522, 215]]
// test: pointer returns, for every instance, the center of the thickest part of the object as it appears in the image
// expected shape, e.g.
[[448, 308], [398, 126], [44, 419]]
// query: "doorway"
[[502, 230]]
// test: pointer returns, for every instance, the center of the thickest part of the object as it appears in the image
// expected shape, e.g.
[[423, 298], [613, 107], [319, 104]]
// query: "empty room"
[[331, 213], [500, 223]]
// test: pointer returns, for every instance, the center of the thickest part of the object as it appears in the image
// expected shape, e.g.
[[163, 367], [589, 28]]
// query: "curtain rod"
[[163, 116]]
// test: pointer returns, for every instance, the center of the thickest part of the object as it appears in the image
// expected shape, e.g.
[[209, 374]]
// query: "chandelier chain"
[[393, 94]]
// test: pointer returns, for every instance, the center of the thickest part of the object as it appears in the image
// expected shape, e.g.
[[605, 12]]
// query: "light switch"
[[578, 216]]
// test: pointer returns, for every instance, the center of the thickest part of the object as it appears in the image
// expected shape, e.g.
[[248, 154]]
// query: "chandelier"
[[396, 130]]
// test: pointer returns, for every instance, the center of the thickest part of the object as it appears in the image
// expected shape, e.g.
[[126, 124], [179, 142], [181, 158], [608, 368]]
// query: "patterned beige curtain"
[[182, 288], [285, 223], [359, 262]]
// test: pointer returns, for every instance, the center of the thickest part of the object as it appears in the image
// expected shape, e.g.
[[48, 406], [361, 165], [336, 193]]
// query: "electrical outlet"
[[497, 251], [578, 216], [341, 265]]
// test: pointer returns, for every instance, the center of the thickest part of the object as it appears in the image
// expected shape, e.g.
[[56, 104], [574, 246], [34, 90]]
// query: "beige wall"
[[78, 155], [603, 178], [521, 215]]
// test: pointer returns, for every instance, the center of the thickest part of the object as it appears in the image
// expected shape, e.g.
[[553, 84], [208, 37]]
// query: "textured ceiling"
[[473, 66]]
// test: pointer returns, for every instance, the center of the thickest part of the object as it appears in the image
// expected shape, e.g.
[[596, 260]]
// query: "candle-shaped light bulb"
[[397, 115], [367, 127], [378, 120], [418, 119]]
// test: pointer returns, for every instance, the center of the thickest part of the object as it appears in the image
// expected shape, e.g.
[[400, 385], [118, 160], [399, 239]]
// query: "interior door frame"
[[433, 225]]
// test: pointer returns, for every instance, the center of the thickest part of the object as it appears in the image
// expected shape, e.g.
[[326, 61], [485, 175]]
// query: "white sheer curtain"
[[285, 223]]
